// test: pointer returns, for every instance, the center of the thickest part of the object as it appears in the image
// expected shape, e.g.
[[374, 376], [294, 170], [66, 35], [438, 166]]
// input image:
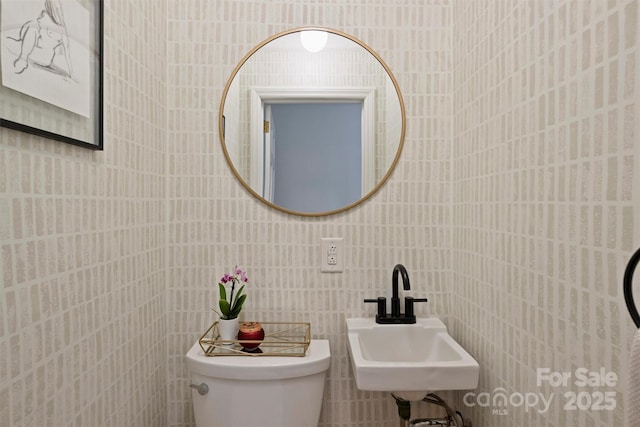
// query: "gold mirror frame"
[[242, 180]]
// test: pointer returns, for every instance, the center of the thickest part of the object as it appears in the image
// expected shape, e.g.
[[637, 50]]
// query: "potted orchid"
[[231, 307]]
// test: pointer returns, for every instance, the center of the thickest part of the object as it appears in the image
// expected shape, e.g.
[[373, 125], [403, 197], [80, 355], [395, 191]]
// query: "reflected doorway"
[[313, 155]]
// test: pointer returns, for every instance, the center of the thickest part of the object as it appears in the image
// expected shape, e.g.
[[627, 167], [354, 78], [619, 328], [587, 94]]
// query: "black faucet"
[[406, 285], [396, 317]]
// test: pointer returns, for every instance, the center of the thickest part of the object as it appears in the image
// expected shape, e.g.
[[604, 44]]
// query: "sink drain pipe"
[[453, 419], [404, 410]]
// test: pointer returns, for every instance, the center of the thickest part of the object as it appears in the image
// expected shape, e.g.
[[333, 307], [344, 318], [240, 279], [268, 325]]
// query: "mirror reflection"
[[312, 130]]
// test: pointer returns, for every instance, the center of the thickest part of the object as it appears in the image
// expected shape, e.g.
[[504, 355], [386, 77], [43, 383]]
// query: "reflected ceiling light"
[[313, 40]]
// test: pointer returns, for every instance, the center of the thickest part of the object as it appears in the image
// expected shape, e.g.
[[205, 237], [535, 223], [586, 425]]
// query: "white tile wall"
[[511, 208], [215, 223], [82, 278], [543, 153]]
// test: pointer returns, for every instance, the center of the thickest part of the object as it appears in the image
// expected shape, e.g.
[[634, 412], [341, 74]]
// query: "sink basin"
[[405, 359]]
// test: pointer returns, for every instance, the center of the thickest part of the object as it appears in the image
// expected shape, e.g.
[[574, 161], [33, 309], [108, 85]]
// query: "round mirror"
[[312, 121]]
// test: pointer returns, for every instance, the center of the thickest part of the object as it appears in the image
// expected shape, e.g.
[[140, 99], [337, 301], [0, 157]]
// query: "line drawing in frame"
[[44, 56], [71, 62]]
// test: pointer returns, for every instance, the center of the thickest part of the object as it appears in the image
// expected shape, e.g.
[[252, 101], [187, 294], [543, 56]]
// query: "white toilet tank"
[[269, 391]]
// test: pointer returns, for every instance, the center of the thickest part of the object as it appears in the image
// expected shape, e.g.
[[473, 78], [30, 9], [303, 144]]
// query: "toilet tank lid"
[[316, 360]]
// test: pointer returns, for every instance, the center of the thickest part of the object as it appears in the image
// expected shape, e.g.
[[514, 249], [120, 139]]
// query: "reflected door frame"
[[273, 95], [269, 155]]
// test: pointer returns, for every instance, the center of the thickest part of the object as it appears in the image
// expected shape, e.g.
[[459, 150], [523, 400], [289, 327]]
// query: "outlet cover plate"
[[332, 255]]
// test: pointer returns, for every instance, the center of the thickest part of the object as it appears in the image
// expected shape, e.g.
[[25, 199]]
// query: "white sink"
[[409, 360]]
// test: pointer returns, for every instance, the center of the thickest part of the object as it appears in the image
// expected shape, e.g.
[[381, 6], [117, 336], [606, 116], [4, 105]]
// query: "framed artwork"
[[51, 69]]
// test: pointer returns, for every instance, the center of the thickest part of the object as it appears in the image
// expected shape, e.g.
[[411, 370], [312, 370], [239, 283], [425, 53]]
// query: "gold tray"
[[280, 339]]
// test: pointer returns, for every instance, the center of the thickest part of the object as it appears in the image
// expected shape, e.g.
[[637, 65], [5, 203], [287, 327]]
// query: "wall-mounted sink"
[[421, 357]]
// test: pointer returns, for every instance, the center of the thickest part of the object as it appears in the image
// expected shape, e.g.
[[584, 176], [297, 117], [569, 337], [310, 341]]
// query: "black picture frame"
[[25, 113]]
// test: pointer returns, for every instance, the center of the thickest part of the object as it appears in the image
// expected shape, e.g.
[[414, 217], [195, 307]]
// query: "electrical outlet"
[[332, 255]]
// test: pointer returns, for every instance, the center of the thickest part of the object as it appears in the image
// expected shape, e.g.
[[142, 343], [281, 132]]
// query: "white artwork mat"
[[39, 59]]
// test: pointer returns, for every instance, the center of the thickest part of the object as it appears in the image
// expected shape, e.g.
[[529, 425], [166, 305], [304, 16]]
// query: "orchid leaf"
[[237, 307], [239, 293], [224, 307]]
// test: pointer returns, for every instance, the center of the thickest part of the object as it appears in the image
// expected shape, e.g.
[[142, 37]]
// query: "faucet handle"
[[408, 305], [382, 305]]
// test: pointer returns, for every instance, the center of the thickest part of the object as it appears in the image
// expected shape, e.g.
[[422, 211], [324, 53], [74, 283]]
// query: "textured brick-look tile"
[[512, 208], [542, 196], [82, 244], [214, 223]]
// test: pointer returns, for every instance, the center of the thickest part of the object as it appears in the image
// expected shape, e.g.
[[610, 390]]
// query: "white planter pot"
[[228, 329]]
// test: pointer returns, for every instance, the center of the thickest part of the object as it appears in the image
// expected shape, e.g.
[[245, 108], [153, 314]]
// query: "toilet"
[[268, 391]]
